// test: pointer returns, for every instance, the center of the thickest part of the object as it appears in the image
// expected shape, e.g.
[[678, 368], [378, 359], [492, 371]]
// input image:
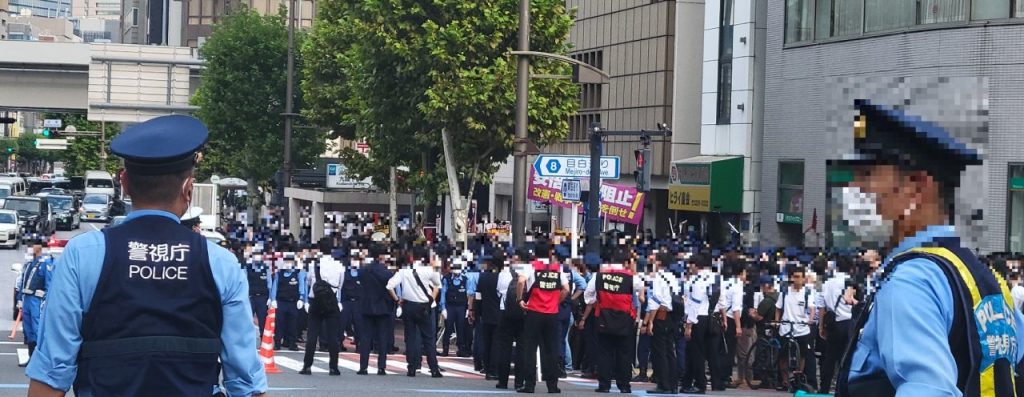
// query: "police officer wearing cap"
[[941, 324], [35, 278], [147, 308]]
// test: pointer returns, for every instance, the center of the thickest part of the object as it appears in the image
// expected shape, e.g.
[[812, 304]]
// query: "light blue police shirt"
[[906, 335], [74, 282]]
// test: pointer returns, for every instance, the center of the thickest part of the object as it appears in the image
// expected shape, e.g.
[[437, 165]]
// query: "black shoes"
[[411, 373], [625, 390], [334, 372], [603, 390], [381, 372], [293, 348], [436, 374], [525, 389], [641, 378], [661, 391], [362, 372], [553, 388], [305, 371], [501, 385], [491, 377], [693, 390]]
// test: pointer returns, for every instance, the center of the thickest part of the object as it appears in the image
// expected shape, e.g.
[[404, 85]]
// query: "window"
[[992, 9], [590, 94], [838, 18], [888, 14], [939, 11], [579, 125], [799, 20], [791, 192], [1015, 198], [135, 16], [723, 110]]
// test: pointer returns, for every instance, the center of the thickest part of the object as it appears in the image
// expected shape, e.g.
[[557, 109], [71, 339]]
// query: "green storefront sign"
[[796, 219], [1016, 183], [723, 175]]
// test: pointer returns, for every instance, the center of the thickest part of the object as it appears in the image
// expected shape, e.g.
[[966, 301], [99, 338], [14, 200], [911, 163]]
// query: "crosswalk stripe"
[[296, 365]]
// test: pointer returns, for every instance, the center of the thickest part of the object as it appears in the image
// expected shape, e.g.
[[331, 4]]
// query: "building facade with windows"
[[41, 8], [956, 64], [200, 15]]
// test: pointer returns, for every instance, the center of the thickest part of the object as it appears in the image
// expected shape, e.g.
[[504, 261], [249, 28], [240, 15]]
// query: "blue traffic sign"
[[562, 166]]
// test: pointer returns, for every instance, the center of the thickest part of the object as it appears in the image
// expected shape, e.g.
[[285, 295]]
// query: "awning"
[[707, 184]]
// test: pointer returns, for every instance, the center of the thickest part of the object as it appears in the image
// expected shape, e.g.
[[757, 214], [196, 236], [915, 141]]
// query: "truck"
[[207, 197]]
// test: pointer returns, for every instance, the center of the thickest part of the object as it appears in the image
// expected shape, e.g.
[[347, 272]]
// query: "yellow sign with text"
[[689, 198]]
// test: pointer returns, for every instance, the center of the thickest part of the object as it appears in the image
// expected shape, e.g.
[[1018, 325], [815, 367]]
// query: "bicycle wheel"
[[759, 365]]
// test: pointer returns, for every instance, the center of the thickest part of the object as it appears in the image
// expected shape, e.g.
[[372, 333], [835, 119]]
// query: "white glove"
[[444, 313], [270, 303], [341, 307], [398, 312], [273, 304], [298, 305]]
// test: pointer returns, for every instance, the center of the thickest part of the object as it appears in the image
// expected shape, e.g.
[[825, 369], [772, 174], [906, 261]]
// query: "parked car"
[[53, 190], [10, 230], [66, 211], [33, 214], [96, 207]]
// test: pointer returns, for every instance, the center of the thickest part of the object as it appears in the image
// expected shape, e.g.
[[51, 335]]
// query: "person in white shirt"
[[510, 326], [699, 349], [330, 271], [1016, 290], [837, 294], [730, 306], [420, 285], [659, 323], [797, 305]]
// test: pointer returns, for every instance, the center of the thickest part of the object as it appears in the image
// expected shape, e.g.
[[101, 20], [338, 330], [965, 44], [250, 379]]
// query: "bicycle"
[[763, 360]]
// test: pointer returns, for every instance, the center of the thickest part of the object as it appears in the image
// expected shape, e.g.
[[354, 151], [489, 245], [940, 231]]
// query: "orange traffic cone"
[[267, 345]]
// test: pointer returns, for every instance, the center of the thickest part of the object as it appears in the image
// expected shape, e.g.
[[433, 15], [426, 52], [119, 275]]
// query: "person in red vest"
[[609, 295], [540, 292]]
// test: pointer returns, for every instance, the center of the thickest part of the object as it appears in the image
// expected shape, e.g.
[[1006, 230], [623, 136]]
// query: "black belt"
[[149, 344]]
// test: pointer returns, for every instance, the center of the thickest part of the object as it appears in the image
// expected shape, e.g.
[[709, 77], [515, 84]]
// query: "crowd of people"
[[666, 311]]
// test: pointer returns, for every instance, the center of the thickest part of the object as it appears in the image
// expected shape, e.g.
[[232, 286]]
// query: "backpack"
[[678, 313], [325, 301], [512, 309]]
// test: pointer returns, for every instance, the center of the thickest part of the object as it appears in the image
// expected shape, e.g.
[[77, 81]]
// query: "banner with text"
[[546, 189], [622, 203]]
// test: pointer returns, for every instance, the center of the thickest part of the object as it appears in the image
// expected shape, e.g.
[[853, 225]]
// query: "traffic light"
[[10, 149], [643, 169], [46, 132]]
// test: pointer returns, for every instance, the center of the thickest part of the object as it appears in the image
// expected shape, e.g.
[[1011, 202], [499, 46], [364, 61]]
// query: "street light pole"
[[522, 100], [286, 169]]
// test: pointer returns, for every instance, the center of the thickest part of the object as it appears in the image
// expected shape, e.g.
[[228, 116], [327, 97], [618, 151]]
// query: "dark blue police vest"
[[351, 288], [455, 294], [35, 278], [153, 326], [288, 286], [257, 277]]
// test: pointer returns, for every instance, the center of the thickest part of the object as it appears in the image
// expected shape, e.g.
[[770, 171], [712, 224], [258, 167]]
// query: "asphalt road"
[[459, 380]]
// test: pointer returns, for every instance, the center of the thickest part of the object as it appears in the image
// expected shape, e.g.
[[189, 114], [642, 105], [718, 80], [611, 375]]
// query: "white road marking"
[[295, 365], [93, 225]]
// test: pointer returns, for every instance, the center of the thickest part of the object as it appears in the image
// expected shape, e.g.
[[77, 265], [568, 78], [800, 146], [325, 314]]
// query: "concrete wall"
[[803, 81]]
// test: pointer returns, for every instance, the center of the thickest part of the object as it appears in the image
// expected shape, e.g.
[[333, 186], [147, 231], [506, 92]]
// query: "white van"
[[17, 185], [99, 182]]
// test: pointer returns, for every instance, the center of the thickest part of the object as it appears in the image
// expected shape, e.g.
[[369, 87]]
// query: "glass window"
[[95, 199], [938, 11], [791, 187], [1019, 9], [837, 18], [992, 9], [799, 20], [1015, 223], [888, 14], [724, 110]]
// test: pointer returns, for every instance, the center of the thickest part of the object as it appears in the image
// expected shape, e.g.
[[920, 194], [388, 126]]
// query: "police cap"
[[886, 135], [163, 145]]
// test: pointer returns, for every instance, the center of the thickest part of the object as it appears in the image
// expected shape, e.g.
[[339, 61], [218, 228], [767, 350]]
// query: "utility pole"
[[393, 205], [522, 101], [289, 111]]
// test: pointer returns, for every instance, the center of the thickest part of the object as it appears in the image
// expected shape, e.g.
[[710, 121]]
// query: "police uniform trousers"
[[377, 329], [616, 361], [30, 311], [697, 354], [663, 353], [351, 321], [259, 309], [456, 322], [508, 334], [541, 330], [728, 360], [838, 337], [328, 325], [287, 323], [643, 353], [488, 331], [591, 347], [420, 335]]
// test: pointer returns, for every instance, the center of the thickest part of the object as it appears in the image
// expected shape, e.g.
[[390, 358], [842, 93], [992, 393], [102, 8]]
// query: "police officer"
[[663, 321], [541, 291], [257, 274], [35, 278], [148, 307], [377, 311], [921, 336], [454, 304], [610, 297], [351, 293], [288, 295]]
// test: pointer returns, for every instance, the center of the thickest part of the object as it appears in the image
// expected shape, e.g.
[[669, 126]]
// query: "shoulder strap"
[[416, 276]]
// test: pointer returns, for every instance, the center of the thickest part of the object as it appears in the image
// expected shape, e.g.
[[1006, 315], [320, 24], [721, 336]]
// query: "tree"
[[395, 72], [83, 152], [241, 99]]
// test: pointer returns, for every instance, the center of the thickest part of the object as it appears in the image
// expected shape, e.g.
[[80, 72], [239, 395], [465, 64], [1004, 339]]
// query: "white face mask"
[[860, 216]]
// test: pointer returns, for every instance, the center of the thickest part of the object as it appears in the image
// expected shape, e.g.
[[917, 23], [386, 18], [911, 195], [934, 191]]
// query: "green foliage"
[[83, 153], [395, 72], [242, 96]]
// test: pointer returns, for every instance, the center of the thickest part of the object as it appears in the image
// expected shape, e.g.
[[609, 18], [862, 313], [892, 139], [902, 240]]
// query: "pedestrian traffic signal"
[[642, 175], [10, 149], [46, 132], [7, 120]]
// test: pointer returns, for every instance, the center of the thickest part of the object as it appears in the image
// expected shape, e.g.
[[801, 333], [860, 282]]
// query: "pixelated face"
[[797, 279]]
